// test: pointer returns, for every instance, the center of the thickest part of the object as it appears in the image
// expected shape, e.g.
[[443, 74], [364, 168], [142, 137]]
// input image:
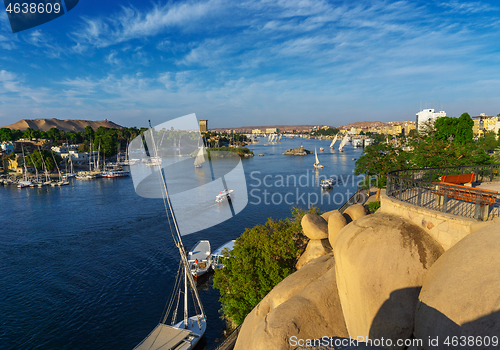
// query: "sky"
[[253, 62]]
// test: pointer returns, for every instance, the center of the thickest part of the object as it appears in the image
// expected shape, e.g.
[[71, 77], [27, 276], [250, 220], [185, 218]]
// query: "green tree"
[[54, 134], [262, 257], [489, 141], [29, 134], [433, 153], [464, 129], [379, 159], [6, 134], [446, 127], [89, 133]]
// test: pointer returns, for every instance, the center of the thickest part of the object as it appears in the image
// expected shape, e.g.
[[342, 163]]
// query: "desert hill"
[[66, 125]]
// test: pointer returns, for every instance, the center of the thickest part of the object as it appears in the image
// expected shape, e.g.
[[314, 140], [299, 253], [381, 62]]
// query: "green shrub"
[[374, 206], [261, 258]]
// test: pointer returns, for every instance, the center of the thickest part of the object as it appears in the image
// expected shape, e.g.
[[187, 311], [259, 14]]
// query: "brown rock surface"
[[313, 312], [281, 293], [355, 211], [336, 222], [315, 248], [381, 260], [328, 213], [314, 226], [460, 294]]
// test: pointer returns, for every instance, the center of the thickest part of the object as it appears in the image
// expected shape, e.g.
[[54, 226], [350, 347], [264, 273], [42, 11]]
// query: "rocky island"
[[301, 151]]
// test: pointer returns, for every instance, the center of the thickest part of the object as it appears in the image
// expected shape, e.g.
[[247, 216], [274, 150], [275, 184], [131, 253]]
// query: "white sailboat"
[[183, 335], [200, 158], [333, 141], [25, 182], [279, 138], [316, 164], [343, 142]]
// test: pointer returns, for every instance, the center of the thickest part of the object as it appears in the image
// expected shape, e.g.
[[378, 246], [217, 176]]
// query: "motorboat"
[[327, 184], [218, 254], [223, 195]]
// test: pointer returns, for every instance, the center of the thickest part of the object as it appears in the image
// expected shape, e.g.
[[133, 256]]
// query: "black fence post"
[[419, 195], [445, 201], [400, 188]]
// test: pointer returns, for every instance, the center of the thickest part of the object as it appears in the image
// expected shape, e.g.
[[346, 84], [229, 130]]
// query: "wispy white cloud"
[[467, 7], [131, 23]]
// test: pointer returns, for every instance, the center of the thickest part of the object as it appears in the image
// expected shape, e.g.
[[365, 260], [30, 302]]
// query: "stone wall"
[[445, 228]]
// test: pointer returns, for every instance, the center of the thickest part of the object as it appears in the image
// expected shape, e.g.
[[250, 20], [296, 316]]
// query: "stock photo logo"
[[204, 188], [26, 14]]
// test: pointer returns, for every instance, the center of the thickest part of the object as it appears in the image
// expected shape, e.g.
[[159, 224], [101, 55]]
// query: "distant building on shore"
[[272, 130], [203, 125], [484, 123], [428, 115]]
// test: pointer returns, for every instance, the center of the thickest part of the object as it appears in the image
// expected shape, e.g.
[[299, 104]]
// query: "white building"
[[428, 115]]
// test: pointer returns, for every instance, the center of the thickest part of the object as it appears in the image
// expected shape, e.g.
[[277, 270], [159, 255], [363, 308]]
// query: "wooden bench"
[[459, 179], [464, 193]]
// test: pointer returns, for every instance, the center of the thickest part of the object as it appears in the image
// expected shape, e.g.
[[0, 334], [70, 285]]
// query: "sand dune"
[[66, 125]]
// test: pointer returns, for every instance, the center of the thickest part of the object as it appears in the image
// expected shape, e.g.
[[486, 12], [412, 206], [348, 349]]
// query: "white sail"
[[269, 138], [316, 155], [344, 141], [200, 158], [279, 139], [333, 141]]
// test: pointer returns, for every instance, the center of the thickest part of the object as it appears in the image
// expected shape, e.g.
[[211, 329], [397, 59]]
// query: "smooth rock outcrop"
[[281, 293], [381, 260], [336, 222], [355, 211], [314, 226], [328, 214], [311, 313], [460, 294], [315, 248]]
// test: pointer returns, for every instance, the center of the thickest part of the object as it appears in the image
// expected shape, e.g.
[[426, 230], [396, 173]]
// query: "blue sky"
[[253, 62]]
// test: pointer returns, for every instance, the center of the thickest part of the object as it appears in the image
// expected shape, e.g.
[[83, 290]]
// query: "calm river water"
[[91, 265]]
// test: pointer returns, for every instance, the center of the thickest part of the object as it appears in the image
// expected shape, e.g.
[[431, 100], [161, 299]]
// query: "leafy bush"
[[261, 258], [374, 206]]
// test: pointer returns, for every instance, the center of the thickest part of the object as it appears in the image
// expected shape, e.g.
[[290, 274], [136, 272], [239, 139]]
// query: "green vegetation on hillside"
[[262, 257]]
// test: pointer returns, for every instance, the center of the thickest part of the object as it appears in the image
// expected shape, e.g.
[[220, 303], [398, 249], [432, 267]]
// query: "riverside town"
[[257, 175]]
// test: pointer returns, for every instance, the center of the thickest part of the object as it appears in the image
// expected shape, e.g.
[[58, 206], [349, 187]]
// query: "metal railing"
[[422, 187], [230, 341], [359, 197]]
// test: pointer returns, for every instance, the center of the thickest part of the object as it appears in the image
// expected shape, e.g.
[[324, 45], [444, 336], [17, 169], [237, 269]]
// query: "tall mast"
[[176, 233]]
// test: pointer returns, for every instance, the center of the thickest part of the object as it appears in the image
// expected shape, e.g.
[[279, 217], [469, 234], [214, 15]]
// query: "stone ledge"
[[446, 228]]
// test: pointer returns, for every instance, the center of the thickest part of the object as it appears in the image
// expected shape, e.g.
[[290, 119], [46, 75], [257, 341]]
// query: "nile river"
[[91, 265]]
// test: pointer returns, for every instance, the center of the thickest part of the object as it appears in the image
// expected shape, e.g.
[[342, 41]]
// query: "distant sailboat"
[[343, 143], [25, 182], [333, 141], [316, 164], [279, 139], [200, 158]]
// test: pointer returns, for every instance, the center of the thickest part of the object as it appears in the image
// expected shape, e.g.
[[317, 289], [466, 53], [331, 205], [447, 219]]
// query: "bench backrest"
[[458, 179]]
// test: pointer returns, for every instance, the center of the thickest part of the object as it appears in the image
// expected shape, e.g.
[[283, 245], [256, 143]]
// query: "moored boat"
[[218, 255], [199, 259]]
